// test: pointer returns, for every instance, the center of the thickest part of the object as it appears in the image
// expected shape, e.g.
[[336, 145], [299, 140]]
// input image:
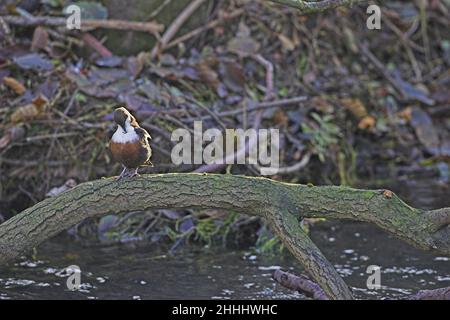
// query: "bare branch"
[[317, 6], [281, 204]]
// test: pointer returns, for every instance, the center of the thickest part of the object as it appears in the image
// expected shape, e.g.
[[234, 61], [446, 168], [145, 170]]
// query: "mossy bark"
[[128, 42], [280, 203]]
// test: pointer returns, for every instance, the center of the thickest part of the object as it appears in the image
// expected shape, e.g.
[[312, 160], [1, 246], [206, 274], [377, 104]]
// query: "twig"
[[208, 26], [159, 8], [257, 121], [269, 75], [424, 31], [435, 294], [175, 26], [299, 283], [294, 168], [51, 136], [56, 131], [311, 289], [34, 163], [86, 24], [231, 157], [406, 43], [396, 83], [317, 6], [91, 41], [257, 106], [380, 67]]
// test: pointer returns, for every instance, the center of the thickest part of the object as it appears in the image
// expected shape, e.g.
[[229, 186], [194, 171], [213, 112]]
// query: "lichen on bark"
[[281, 204]]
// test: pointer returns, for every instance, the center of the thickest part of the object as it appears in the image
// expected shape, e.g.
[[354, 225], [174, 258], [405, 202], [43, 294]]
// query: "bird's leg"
[[123, 173], [135, 173]]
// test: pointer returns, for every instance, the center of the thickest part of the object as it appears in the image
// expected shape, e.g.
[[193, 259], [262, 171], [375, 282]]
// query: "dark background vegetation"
[[376, 103]]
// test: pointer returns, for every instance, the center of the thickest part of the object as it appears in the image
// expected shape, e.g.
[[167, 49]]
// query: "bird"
[[130, 144]]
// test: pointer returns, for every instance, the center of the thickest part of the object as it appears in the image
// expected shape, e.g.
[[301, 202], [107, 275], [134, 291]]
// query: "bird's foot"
[[127, 173], [123, 174], [135, 173]]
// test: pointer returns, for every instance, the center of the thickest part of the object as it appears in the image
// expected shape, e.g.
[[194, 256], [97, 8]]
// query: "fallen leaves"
[[15, 85], [30, 111], [358, 109], [26, 113], [33, 61], [243, 44], [406, 114], [12, 134], [40, 39], [287, 43], [425, 130], [367, 123], [355, 106]]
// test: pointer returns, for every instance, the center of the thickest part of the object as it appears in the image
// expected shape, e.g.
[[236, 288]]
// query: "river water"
[[146, 272]]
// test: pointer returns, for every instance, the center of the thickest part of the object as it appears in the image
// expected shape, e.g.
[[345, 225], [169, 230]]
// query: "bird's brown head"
[[121, 115]]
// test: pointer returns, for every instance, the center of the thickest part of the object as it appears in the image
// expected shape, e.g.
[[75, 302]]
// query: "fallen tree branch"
[[86, 24], [91, 41], [299, 283], [175, 26], [317, 6], [435, 294], [257, 106], [280, 203], [209, 25], [311, 289]]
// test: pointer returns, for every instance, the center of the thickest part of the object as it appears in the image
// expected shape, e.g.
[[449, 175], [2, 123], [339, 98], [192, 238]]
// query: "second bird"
[[130, 144]]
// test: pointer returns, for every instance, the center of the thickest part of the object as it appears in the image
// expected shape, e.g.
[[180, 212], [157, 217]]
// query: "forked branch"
[[281, 204]]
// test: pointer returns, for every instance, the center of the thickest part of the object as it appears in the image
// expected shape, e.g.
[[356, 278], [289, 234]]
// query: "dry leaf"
[[15, 85], [287, 43], [233, 76], [297, 155], [406, 114], [425, 130], [243, 46], [207, 75], [322, 105], [30, 111], [281, 118], [356, 107], [134, 66], [5, 141], [40, 101], [367, 123], [11, 135], [40, 38]]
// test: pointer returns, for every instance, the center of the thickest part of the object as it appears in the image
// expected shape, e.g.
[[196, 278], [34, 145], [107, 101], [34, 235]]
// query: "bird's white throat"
[[121, 136]]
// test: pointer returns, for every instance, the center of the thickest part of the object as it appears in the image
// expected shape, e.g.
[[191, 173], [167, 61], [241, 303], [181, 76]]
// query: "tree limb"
[[317, 6], [282, 204], [435, 294], [299, 283], [311, 289], [86, 24]]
